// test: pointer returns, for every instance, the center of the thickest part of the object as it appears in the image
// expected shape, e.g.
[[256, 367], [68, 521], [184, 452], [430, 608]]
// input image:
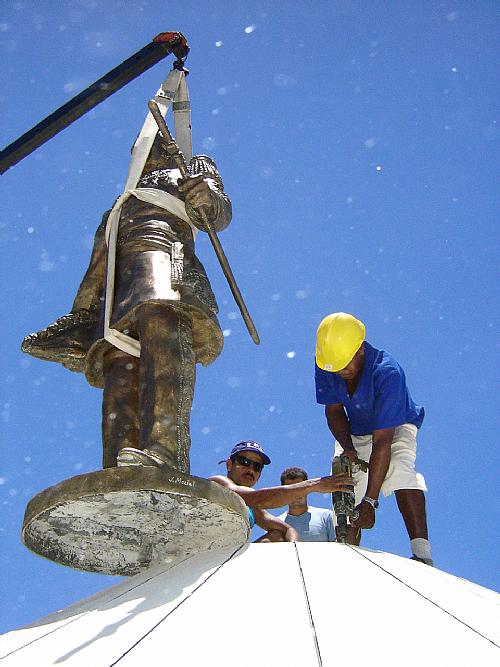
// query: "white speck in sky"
[[30, 230], [266, 172], [272, 408], [284, 81], [349, 200], [209, 143], [226, 333], [218, 43], [250, 28], [371, 142], [78, 466], [301, 294], [276, 297], [215, 112], [2, 480], [45, 264], [206, 430], [451, 16], [27, 459], [69, 87], [223, 90], [290, 354], [233, 382], [454, 69], [233, 315], [379, 168]]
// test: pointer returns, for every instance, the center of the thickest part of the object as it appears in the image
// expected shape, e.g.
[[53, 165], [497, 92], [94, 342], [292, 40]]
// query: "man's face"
[[354, 367], [240, 472], [298, 502]]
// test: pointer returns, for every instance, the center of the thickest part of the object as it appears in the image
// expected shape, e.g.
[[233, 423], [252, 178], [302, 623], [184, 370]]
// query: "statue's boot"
[[120, 405], [66, 341], [166, 387], [158, 457]]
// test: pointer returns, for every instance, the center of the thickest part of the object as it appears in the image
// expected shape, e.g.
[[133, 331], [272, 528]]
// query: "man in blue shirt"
[[372, 417], [313, 524]]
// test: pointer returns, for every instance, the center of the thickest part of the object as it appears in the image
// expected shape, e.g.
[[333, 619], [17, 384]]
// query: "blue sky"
[[359, 145]]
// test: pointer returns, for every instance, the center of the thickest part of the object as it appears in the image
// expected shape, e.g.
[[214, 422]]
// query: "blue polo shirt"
[[381, 399]]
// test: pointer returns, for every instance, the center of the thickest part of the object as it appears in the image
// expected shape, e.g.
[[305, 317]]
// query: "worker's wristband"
[[370, 501]]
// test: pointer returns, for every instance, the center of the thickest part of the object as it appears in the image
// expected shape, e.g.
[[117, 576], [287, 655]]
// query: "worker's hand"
[[351, 453], [292, 535], [366, 517], [332, 483], [198, 198]]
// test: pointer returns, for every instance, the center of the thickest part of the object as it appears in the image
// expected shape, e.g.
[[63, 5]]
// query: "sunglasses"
[[248, 463]]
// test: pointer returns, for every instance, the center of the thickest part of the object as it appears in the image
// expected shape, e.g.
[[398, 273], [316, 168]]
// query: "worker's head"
[[339, 344], [292, 476], [245, 463]]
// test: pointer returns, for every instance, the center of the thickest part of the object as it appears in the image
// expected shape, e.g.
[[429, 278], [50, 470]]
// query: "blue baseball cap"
[[250, 446]]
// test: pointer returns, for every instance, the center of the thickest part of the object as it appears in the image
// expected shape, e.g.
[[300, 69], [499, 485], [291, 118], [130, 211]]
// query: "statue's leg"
[[120, 405], [166, 384]]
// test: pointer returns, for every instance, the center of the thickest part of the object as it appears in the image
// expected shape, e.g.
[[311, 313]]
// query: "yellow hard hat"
[[338, 338]]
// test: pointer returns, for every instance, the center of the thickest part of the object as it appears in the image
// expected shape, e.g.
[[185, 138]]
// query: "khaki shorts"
[[401, 473]]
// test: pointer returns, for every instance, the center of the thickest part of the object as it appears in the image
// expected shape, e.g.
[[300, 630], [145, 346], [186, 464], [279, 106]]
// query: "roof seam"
[[423, 596], [88, 611], [309, 610], [177, 606]]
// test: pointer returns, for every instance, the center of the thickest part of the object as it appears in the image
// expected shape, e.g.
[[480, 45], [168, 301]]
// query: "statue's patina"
[[162, 298], [143, 316]]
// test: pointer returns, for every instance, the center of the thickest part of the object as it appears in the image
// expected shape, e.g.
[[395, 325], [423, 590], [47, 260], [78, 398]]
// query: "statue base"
[[121, 520]]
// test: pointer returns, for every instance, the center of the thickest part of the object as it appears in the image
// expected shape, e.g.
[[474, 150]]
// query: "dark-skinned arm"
[[379, 463], [340, 428], [271, 523], [277, 496]]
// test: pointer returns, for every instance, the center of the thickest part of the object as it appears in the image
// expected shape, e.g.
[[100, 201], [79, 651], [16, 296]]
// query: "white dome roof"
[[299, 605]]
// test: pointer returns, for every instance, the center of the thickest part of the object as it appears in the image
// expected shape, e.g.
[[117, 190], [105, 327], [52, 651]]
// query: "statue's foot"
[[130, 456]]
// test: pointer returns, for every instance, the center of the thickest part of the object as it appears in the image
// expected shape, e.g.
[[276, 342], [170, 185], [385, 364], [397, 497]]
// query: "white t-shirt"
[[315, 525]]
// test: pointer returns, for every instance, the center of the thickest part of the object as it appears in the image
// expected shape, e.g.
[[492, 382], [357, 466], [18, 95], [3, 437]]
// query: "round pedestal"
[[120, 520]]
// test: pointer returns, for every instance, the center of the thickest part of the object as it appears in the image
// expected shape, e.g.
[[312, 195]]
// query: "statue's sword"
[[175, 153]]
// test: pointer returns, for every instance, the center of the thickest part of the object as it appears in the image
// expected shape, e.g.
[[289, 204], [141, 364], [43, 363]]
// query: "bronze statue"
[[163, 299]]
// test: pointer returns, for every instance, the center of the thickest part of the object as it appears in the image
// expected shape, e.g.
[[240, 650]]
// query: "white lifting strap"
[[173, 90]]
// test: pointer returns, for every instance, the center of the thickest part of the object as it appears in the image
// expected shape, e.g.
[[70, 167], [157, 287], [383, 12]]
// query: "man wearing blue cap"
[[244, 467]]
